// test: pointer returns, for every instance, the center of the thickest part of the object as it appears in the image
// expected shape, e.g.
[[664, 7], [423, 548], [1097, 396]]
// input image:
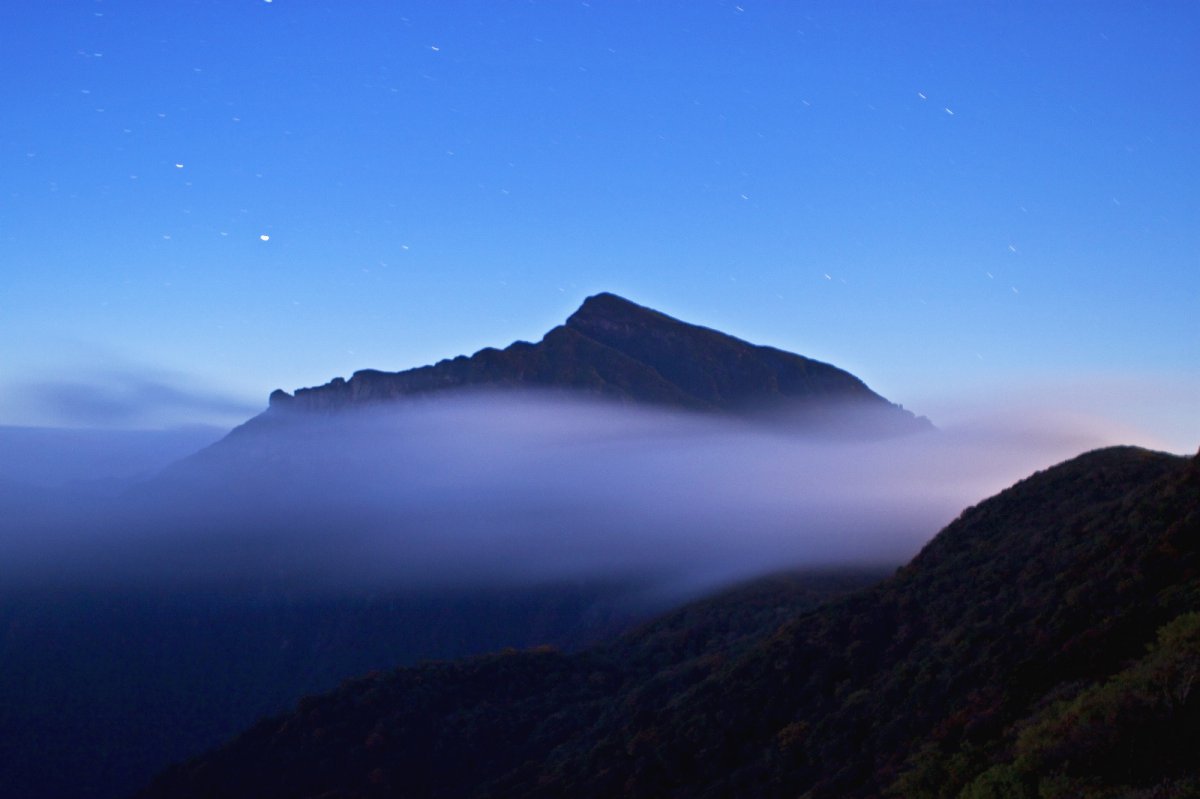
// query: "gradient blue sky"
[[959, 202]]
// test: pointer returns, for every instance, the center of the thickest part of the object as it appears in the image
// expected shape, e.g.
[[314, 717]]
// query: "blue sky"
[[959, 202]]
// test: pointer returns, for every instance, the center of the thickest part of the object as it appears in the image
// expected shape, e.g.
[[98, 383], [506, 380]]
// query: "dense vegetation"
[[549, 695], [120, 682], [1044, 644]]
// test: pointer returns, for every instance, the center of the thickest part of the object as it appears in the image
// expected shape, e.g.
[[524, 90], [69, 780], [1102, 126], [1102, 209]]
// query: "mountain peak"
[[614, 348], [604, 315], [609, 305], [598, 303]]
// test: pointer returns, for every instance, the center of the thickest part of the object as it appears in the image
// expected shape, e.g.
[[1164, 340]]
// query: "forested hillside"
[[1046, 643]]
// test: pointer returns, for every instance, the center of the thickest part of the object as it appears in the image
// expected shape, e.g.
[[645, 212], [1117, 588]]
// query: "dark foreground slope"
[[1045, 643]]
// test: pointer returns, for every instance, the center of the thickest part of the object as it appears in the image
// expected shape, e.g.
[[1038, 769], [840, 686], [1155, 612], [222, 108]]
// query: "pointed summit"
[[612, 319], [613, 308], [616, 349], [607, 301]]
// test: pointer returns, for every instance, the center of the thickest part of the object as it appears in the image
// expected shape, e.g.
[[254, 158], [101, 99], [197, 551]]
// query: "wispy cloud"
[[128, 398]]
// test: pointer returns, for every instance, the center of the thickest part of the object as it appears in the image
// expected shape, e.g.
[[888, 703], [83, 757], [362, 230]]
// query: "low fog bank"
[[57, 456], [518, 490]]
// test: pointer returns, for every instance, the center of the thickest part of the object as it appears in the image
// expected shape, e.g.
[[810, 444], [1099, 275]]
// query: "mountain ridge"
[[615, 349]]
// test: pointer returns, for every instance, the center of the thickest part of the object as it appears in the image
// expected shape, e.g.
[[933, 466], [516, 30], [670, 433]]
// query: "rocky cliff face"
[[615, 349]]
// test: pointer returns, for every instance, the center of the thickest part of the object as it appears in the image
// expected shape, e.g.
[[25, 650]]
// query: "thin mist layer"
[[517, 489]]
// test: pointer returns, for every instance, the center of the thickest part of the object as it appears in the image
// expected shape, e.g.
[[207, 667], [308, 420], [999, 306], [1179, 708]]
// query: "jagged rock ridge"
[[616, 349]]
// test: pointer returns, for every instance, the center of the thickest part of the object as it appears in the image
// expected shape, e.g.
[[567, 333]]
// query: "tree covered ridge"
[[1010, 654]]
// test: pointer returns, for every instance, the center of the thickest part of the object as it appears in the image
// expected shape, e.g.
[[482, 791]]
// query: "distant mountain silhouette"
[[1045, 644], [616, 349]]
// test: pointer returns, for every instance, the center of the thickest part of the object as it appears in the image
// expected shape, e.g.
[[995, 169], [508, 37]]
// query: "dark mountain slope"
[[1049, 585], [615, 349], [716, 370], [1015, 642], [102, 688], [438, 734]]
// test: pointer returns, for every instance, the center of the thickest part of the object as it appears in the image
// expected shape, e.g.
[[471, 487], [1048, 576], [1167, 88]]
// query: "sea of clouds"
[[518, 489]]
